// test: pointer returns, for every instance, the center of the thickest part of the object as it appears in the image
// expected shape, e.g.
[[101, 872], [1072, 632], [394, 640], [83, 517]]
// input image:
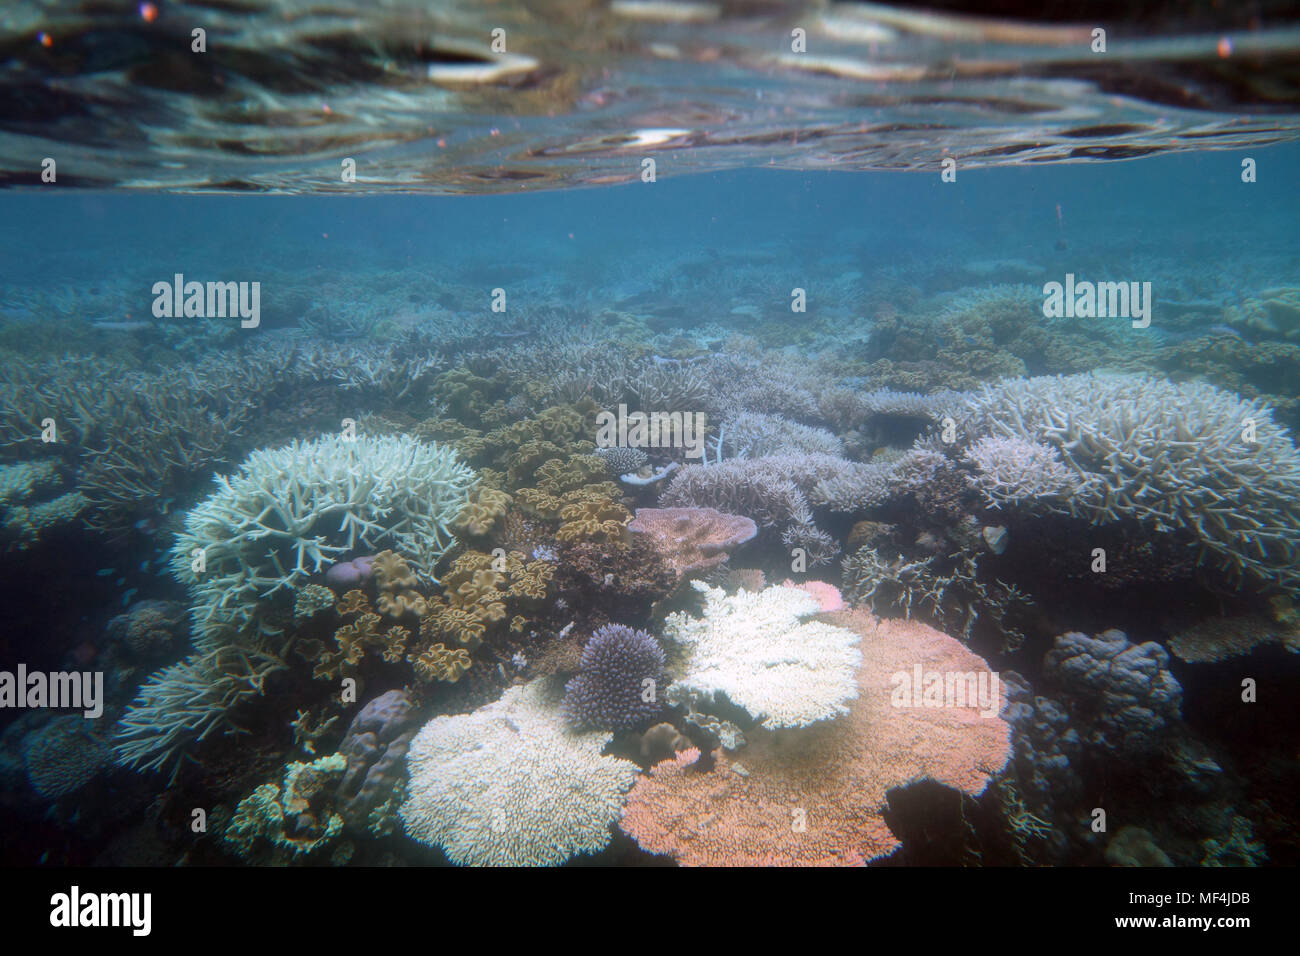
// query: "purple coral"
[[1122, 696], [375, 747], [351, 574], [617, 686]]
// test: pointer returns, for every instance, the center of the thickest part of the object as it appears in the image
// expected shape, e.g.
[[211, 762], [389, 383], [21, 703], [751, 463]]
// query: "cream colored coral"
[[510, 785], [754, 649]]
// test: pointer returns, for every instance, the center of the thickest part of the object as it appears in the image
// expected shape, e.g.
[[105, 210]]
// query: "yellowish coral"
[[353, 602], [558, 476], [397, 583], [484, 509], [476, 590], [437, 662]]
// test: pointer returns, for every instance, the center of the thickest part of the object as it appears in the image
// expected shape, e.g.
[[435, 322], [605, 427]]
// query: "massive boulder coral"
[[754, 650], [511, 785], [63, 756], [1183, 457], [1122, 695], [375, 746], [815, 796], [288, 513]]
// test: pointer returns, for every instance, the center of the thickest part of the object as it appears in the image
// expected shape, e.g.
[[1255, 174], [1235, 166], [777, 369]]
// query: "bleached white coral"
[[289, 512], [1180, 456], [759, 435], [1011, 470], [754, 649], [511, 785]]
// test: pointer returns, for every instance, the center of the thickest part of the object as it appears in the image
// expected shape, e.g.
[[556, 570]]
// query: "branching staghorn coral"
[[138, 435], [857, 486], [289, 512], [956, 598], [754, 435], [1174, 456], [188, 701]]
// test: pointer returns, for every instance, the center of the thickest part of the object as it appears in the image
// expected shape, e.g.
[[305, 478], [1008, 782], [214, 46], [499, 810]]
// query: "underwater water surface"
[[516, 462]]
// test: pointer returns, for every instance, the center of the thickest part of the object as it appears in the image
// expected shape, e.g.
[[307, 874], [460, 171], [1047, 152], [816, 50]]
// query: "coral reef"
[[1134, 846]]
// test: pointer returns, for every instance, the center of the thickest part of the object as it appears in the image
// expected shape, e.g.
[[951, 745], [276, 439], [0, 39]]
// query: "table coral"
[[755, 651], [511, 785], [692, 540], [815, 795], [1223, 638]]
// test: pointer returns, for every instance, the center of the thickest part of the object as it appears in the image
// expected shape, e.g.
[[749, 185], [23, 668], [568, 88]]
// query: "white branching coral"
[[284, 516], [186, 702], [511, 785], [290, 512], [757, 435], [1011, 470], [1175, 456], [754, 649]]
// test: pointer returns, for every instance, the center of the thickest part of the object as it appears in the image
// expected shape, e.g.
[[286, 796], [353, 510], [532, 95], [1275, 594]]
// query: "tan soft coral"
[[482, 513], [437, 662], [397, 583], [476, 591]]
